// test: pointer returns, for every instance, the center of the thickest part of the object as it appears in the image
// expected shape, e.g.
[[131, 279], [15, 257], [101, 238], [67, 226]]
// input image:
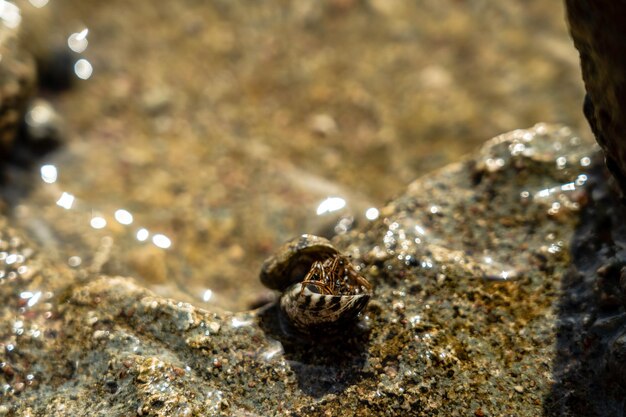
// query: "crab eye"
[[313, 288]]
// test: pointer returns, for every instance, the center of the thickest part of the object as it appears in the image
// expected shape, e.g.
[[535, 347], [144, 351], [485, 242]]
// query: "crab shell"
[[293, 260], [308, 310]]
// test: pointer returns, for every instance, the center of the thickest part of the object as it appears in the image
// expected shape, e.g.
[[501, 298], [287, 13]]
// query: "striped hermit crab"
[[320, 287]]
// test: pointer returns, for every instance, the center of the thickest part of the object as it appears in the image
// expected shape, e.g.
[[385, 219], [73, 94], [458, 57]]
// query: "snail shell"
[[321, 288], [293, 260]]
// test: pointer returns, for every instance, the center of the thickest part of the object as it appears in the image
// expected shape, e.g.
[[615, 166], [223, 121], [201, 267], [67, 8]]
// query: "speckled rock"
[[466, 268]]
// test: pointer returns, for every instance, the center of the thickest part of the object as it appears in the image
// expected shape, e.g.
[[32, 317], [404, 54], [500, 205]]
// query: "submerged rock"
[[17, 78], [466, 269]]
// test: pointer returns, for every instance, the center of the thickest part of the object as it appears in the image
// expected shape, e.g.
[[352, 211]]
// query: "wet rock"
[[591, 314], [17, 80], [600, 36], [465, 267]]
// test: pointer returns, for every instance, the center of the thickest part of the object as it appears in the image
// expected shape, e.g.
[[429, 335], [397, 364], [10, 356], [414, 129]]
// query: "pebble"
[[323, 125], [214, 327]]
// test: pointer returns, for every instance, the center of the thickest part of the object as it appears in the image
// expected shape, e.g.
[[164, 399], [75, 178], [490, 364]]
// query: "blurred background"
[[199, 135]]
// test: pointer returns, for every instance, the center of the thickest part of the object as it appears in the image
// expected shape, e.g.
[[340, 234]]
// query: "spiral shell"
[[320, 287]]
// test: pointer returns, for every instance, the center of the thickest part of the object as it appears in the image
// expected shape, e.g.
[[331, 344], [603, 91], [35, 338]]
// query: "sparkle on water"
[[123, 217], [83, 69], [143, 234], [77, 42], [38, 3], [207, 295], [98, 222], [10, 14], [371, 213], [161, 241], [330, 204], [66, 201], [49, 174]]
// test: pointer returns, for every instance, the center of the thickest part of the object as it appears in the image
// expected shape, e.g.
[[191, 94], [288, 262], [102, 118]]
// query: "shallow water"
[[226, 128]]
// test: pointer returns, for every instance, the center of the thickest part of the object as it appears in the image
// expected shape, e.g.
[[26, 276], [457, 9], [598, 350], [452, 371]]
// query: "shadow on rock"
[[590, 365], [323, 363]]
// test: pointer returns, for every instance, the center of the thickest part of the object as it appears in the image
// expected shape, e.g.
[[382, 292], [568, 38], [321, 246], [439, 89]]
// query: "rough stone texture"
[[599, 34], [466, 266], [591, 349], [589, 367]]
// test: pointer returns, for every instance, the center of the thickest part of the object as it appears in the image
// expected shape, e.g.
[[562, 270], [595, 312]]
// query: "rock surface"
[[599, 34], [466, 268], [590, 352]]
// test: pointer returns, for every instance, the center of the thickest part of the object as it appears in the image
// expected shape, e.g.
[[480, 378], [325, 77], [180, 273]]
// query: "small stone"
[[157, 100], [224, 404], [111, 386], [323, 125], [391, 372], [178, 371], [214, 327], [235, 253], [100, 334], [398, 307], [519, 389]]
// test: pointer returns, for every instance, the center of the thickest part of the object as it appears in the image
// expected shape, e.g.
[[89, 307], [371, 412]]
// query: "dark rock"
[[599, 34]]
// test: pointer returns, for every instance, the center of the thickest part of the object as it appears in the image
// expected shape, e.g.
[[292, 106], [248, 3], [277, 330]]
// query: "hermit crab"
[[320, 288]]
